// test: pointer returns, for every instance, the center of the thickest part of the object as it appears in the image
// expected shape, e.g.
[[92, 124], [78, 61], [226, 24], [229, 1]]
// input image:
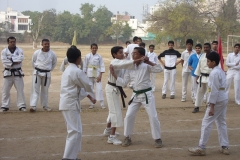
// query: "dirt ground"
[[41, 135]]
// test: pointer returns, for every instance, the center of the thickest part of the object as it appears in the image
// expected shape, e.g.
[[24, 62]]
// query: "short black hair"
[[94, 44], [151, 45], [11, 37], [170, 42], [115, 49], [189, 41], [45, 40], [127, 42], [198, 45], [207, 44], [214, 56], [135, 38], [140, 39], [73, 53], [142, 44], [238, 44], [140, 50], [214, 42]]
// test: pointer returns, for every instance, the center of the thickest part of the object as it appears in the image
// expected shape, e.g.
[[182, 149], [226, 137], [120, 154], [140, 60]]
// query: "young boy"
[[217, 108], [170, 71], [192, 65], [185, 70], [131, 47], [202, 74], [73, 79], [94, 67], [114, 119], [125, 49], [152, 58], [233, 73], [142, 95]]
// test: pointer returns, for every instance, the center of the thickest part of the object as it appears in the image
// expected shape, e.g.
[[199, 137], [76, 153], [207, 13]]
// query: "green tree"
[[116, 30], [127, 32]]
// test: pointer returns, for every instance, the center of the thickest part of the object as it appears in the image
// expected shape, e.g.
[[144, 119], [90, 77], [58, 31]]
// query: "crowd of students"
[[133, 67]]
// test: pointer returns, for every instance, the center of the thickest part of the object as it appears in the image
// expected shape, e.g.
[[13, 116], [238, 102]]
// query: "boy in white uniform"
[[93, 66], [114, 119], [142, 96], [131, 47], [12, 58], [73, 79], [186, 72], [154, 59], [233, 73], [125, 49], [202, 72], [43, 61], [216, 110]]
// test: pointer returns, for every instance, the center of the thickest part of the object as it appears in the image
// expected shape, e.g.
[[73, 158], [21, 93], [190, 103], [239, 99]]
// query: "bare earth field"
[[41, 135]]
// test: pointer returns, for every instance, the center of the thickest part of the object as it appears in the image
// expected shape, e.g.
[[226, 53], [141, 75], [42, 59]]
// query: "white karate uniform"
[[202, 68], [65, 62], [233, 74], [218, 96], [130, 49], [112, 93], [142, 81], [73, 80], [186, 73], [44, 61], [153, 58], [12, 77], [93, 65]]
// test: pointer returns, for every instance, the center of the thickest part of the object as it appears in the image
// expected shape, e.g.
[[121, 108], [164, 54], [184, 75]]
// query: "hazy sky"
[[133, 7]]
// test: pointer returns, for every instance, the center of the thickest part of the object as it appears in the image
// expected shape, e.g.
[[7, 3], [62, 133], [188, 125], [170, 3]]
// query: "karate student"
[[114, 119], [12, 58], [142, 95], [202, 72], [43, 61], [125, 49], [65, 62], [216, 110], [73, 79], [170, 71], [185, 70], [154, 59], [192, 65], [131, 47], [93, 66], [233, 73]]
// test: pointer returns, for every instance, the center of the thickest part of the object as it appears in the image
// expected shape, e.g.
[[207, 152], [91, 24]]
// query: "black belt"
[[14, 70], [42, 70], [170, 68], [123, 95], [203, 74]]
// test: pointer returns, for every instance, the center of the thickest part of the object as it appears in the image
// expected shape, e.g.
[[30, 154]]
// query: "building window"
[[22, 27], [13, 17], [22, 20]]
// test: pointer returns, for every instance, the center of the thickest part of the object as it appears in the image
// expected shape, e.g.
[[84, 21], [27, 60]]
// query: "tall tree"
[[116, 30]]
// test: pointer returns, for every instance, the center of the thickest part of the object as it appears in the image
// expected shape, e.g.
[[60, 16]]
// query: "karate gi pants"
[[201, 91], [185, 76], [151, 111], [169, 74], [114, 106], [219, 117], [74, 137], [234, 75], [36, 91], [8, 82], [98, 90], [194, 88], [153, 76]]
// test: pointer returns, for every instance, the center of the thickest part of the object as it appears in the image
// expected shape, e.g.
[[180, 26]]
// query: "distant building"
[[15, 22]]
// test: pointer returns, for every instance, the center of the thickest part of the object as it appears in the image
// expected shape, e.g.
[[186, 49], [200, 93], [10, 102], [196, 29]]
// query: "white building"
[[15, 21]]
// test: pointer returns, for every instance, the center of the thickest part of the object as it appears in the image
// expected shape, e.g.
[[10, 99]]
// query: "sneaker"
[[195, 110], [23, 109], [3, 109], [127, 142], [224, 150], [158, 143], [103, 107], [47, 109], [33, 109], [172, 96], [114, 140], [183, 100], [197, 151], [163, 96], [107, 132], [91, 107]]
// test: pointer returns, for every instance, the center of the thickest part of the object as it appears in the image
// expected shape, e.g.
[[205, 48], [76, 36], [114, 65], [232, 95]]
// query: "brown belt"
[[123, 95]]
